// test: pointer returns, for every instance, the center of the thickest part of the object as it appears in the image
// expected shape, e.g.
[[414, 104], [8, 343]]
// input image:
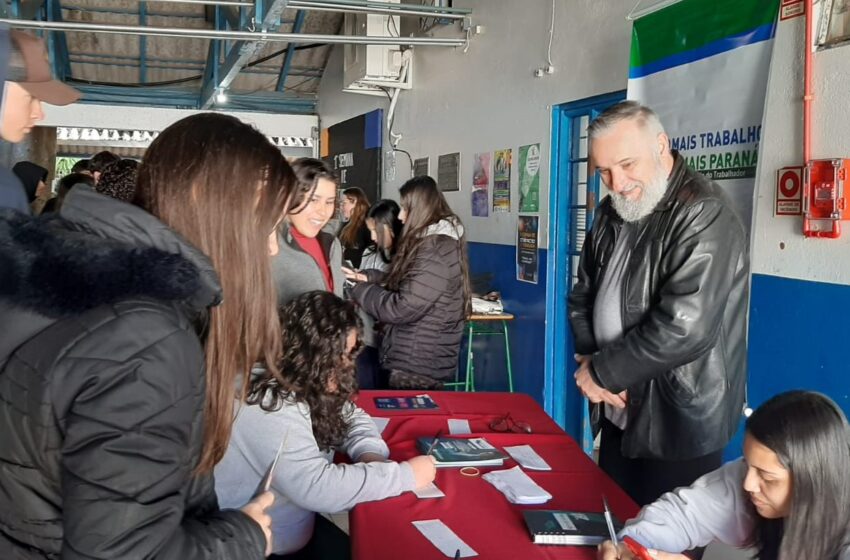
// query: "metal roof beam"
[[371, 7], [242, 52], [187, 98], [290, 52], [299, 38], [57, 42], [143, 43]]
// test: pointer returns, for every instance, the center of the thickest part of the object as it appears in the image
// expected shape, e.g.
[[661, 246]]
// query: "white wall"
[[157, 118], [488, 98], [823, 260]]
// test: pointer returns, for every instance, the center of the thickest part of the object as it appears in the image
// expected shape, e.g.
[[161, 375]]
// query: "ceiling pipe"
[[808, 94], [207, 2], [378, 8], [294, 38]]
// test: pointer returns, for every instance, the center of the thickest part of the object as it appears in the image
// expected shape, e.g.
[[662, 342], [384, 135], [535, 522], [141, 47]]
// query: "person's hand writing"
[[354, 275], [256, 510], [424, 470], [593, 392]]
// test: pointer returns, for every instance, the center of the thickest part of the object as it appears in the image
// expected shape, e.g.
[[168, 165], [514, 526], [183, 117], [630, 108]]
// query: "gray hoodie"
[[305, 479]]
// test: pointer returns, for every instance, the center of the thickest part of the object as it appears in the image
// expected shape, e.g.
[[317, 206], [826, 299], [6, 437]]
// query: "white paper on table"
[[517, 486], [459, 427], [526, 456], [444, 538], [381, 423], [430, 491]]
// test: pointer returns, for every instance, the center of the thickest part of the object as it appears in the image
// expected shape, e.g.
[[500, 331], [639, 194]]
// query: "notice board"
[[354, 149]]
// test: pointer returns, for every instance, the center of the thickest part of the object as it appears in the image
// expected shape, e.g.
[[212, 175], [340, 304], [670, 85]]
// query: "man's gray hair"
[[646, 118]]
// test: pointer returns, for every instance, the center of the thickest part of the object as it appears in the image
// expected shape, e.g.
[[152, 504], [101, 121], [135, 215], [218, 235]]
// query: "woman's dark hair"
[[308, 171], [118, 180], [315, 369], [223, 186], [100, 160], [30, 174], [70, 181], [809, 434], [82, 166], [348, 235], [385, 215], [425, 206]]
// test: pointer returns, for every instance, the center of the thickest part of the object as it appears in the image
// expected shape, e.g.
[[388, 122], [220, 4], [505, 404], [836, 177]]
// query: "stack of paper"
[[527, 457], [517, 487]]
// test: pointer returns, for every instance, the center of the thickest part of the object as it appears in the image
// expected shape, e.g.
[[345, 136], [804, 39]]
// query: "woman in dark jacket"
[[424, 298], [118, 354]]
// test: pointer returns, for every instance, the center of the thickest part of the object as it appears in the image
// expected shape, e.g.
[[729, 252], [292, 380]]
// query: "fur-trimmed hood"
[[98, 251]]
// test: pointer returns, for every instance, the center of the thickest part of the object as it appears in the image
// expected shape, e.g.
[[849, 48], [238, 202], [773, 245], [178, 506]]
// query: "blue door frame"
[[561, 399]]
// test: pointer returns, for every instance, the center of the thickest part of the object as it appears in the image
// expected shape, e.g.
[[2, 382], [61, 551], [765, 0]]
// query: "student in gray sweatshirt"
[[788, 498], [307, 406]]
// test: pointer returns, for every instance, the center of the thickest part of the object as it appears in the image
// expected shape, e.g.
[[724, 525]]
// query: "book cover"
[[567, 527], [405, 403], [461, 452]]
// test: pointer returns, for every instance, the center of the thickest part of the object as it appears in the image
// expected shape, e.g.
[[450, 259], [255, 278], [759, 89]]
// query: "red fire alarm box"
[[824, 197]]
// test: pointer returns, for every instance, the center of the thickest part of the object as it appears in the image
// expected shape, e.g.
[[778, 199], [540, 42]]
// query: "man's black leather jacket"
[[685, 295]]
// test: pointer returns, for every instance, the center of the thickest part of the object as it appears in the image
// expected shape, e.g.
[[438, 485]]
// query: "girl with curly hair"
[[308, 408]]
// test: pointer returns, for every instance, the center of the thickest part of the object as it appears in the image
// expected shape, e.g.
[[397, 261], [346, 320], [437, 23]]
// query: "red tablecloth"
[[477, 512]]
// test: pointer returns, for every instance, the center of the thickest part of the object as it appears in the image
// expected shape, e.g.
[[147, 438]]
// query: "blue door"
[[573, 197]]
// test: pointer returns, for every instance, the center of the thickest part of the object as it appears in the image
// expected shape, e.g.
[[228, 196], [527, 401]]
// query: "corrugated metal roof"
[[115, 58]]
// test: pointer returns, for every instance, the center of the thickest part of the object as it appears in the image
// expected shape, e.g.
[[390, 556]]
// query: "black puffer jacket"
[[102, 390], [425, 317], [683, 358]]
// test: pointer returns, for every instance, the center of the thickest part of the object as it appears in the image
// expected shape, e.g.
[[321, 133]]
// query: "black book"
[[462, 452], [567, 527], [405, 403]]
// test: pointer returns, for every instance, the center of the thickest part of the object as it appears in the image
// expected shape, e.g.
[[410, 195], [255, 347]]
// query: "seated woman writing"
[[788, 498], [307, 412]]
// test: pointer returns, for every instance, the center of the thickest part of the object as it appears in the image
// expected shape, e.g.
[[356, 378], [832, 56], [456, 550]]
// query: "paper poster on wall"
[[421, 166], [526, 248], [481, 185], [529, 178], [448, 172], [502, 181], [719, 54]]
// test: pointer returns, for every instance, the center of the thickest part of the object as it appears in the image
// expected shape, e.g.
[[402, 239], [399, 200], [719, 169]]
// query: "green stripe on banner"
[[691, 24]]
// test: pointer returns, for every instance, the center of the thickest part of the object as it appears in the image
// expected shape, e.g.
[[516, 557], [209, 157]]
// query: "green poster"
[[529, 178]]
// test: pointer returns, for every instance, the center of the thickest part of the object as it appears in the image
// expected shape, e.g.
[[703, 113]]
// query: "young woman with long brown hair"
[[424, 298], [354, 235], [310, 256], [128, 325]]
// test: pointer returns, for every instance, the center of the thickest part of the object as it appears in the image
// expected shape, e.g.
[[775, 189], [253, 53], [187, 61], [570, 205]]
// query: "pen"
[[434, 442], [637, 549], [610, 522]]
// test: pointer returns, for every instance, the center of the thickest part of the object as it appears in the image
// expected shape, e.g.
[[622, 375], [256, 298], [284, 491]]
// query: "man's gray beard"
[[651, 195]]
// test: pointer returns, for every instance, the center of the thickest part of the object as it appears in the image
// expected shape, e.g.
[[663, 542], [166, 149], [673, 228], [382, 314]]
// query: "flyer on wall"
[[481, 185], [502, 181], [529, 178], [526, 249]]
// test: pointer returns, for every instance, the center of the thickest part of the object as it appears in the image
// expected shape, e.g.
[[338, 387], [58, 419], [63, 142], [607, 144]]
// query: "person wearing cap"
[[25, 82]]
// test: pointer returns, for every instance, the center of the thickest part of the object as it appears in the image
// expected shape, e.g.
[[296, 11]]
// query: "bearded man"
[[659, 311]]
